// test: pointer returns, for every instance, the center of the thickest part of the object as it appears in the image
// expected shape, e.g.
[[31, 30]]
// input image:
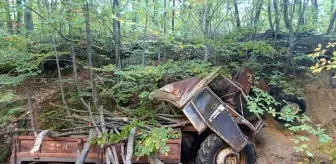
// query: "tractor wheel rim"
[[227, 156]]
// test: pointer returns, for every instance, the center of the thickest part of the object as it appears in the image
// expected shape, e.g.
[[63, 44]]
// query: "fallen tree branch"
[[71, 120], [67, 108], [19, 130], [70, 133], [167, 119], [153, 159], [39, 139], [52, 134], [171, 116], [124, 119], [84, 127], [82, 118], [130, 144], [82, 156], [122, 148], [181, 124], [109, 151]]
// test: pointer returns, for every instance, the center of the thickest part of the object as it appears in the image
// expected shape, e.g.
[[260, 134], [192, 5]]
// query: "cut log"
[[82, 156], [39, 139], [130, 144]]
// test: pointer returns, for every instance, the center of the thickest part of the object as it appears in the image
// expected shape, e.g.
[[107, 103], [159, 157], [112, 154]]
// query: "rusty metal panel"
[[263, 85], [245, 79], [216, 115], [181, 92]]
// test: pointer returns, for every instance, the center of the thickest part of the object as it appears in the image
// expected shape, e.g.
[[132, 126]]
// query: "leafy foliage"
[[329, 149], [138, 80], [148, 142], [156, 140], [107, 138], [323, 63], [262, 104]]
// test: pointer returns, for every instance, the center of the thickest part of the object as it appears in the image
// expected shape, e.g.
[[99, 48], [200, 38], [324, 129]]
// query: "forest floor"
[[274, 146]]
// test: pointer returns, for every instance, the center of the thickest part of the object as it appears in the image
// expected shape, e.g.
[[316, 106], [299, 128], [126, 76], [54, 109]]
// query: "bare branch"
[[32, 113], [181, 124]]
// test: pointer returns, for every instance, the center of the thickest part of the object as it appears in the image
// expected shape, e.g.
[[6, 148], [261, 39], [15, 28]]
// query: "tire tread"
[[213, 143]]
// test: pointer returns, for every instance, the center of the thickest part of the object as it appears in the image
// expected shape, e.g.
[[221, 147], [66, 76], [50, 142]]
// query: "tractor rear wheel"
[[215, 151]]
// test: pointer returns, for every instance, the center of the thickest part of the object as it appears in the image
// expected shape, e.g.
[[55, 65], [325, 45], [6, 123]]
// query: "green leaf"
[[7, 97], [309, 154]]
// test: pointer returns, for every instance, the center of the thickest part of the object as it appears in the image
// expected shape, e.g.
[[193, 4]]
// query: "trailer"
[[64, 150]]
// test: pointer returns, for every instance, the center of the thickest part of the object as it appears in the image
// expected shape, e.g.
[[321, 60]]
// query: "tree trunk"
[[277, 18], [144, 38], [258, 11], [2, 24], [173, 17], [31, 113], [236, 10], [154, 13], [57, 62], [206, 24], [228, 10], [165, 29], [269, 11], [59, 74], [315, 10], [332, 7], [116, 32], [9, 18], [135, 16], [73, 56], [302, 10], [28, 17], [288, 22], [332, 22], [19, 16]]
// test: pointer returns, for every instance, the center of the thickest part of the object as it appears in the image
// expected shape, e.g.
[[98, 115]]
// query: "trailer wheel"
[[215, 151]]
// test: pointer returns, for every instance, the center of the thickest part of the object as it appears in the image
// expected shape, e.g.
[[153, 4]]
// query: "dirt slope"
[[273, 142]]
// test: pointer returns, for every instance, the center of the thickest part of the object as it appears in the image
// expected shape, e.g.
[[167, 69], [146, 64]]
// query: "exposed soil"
[[273, 147], [273, 142]]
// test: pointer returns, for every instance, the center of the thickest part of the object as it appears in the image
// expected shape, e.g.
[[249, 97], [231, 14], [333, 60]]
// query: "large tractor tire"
[[215, 151]]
